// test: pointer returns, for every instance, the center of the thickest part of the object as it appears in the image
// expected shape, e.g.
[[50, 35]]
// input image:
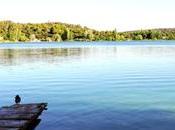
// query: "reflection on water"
[[17, 56], [14, 56], [94, 88]]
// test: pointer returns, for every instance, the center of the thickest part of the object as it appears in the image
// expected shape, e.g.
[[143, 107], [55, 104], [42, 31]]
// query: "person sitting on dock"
[[17, 99]]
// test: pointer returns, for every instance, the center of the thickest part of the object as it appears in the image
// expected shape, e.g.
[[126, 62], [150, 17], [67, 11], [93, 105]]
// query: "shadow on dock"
[[34, 124]]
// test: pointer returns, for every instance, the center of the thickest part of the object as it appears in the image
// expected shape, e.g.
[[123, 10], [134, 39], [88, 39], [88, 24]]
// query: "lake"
[[93, 86]]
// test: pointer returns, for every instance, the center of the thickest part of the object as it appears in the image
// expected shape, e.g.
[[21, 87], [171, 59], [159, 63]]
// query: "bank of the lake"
[[75, 44]]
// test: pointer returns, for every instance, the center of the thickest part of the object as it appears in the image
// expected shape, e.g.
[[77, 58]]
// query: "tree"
[[156, 35], [57, 29], [1, 38], [13, 32], [22, 37], [89, 35], [56, 37], [115, 34], [32, 37], [67, 35], [138, 37]]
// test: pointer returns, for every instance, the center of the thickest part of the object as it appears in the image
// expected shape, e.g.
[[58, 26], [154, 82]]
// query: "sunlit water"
[[93, 86]]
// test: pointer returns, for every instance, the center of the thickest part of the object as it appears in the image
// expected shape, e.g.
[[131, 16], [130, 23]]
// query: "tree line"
[[56, 31]]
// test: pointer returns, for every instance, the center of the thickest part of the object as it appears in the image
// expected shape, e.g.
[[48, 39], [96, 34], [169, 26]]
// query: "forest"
[[57, 32]]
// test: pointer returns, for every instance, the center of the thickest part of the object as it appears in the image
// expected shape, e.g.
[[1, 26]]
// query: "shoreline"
[[66, 45], [31, 42]]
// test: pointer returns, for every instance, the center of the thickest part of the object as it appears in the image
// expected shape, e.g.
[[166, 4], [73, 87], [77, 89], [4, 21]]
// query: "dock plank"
[[13, 123], [21, 110], [19, 116], [9, 129], [30, 105]]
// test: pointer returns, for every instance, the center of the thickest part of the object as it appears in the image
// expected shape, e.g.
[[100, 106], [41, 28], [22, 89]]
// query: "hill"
[[57, 31]]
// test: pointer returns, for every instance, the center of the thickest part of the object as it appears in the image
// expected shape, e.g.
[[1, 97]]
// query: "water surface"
[[93, 86]]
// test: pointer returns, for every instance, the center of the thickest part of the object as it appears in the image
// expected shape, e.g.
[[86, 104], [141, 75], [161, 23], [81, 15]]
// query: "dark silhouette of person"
[[17, 99]]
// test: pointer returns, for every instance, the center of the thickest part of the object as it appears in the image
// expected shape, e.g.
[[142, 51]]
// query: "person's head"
[[17, 95]]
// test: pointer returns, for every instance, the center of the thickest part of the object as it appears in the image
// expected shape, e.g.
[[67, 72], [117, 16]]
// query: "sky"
[[124, 15]]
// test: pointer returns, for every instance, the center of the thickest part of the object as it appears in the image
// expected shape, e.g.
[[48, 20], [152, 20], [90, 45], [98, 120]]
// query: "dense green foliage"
[[10, 31]]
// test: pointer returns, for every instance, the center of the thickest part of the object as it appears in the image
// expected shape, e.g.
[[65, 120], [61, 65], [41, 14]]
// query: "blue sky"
[[99, 14]]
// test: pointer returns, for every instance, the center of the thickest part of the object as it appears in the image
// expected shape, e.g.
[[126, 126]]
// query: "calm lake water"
[[93, 86]]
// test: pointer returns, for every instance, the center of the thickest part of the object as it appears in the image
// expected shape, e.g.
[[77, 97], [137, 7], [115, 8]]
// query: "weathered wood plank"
[[9, 129], [13, 123], [21, 110], [13, 111], [30, 105], [19, 116]]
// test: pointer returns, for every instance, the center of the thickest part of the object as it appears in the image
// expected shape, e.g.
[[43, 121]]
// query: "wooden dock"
[[21, 116]]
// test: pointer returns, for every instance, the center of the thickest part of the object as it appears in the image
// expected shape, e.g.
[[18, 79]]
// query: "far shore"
[[60, 32], [44, 42]]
